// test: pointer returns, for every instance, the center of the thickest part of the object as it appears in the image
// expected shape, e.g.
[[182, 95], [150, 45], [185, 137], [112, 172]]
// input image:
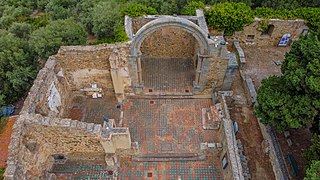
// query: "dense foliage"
[[313, 172], [229, 17], [312, 157], [293, 100], [138, 10], [192, 6]]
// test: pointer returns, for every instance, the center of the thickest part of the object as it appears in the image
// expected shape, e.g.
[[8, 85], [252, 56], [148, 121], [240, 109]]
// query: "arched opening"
[[168, 61], [169, 32]]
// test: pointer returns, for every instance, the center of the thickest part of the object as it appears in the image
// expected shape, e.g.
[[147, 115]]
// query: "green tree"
[[313, 172], [137, 10], [104, 17], [313, 153], [229, 17], [21, 30], [293, 100], [120, 34], [192, 6], [17, 67], [47, 40], [61, 9]]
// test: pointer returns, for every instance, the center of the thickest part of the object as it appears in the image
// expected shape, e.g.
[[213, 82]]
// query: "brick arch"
[[182, 23], [201, 37]]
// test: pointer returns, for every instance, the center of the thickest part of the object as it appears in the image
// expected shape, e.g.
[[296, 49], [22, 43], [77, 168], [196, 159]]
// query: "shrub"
[[137, 10], [229, 17], [192, 6]]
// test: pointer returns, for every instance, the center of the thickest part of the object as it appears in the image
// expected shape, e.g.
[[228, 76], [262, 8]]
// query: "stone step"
[[169, 157]]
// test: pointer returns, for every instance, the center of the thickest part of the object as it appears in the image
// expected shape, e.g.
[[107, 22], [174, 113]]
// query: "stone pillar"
[[139, 69], [117, 79], [230, 73], [202, 71], [137, 85]]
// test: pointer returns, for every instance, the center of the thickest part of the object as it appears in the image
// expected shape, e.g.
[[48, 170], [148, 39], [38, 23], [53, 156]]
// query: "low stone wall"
[[234, 169], [240, 52], [273, 148], [252, 34]]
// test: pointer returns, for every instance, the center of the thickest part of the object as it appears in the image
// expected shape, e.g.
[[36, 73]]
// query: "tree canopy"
[[293, 100], [229, 17]]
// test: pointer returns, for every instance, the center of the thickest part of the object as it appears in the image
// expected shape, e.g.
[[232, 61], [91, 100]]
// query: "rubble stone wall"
[[41, 98], [216, 72], [169, 42], [230, 149], [293, 27], [87, 65], [36, 138]]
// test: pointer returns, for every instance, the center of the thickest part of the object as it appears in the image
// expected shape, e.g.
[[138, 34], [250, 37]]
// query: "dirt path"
[[250, 134], [5, 136]]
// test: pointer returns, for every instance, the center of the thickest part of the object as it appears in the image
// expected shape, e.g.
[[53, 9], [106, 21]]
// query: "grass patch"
[[1, 173]]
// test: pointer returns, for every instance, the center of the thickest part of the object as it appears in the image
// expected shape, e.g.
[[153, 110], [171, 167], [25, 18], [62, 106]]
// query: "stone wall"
[[138, 22], [49, 92], [273, 148], [86, 65], [169, 42], [36, 138], [294, 27], [230, 149]]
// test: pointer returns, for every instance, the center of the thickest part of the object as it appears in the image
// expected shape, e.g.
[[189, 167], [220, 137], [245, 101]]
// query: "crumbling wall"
[[230, 150], [252, 34], [86, 65], [36, 138], [49, 93], [169, 42]]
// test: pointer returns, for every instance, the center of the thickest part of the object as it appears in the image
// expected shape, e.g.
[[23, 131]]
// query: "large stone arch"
[[184, 24]]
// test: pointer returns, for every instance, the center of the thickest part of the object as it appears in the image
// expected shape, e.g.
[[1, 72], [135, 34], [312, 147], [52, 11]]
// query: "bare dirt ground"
[[5, 136], [260, 64], [250, 134], [300, 141]]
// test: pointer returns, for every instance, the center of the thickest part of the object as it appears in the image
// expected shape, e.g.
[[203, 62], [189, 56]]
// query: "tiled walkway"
[[171, 75], [5, 136], [167, 125]]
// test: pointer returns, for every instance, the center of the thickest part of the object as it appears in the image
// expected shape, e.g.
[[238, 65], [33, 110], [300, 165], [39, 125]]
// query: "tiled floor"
[[82, 170], [93, 110], [167, 75], [167, 125], [5, 136], [186, 170]]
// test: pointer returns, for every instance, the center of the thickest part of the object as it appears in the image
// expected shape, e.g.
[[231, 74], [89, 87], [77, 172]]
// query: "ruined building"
[[153, 107]]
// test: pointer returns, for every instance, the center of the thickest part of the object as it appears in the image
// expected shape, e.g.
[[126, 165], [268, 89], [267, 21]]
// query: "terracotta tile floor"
[[167, 125], [186, 170], [5, 136]]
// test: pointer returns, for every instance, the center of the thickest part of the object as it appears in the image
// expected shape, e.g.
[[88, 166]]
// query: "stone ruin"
[[87, 103]]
